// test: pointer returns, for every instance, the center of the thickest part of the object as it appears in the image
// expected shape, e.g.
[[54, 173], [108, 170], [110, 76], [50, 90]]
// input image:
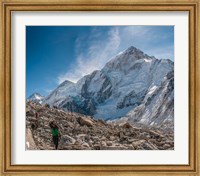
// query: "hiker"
[[55, 134]]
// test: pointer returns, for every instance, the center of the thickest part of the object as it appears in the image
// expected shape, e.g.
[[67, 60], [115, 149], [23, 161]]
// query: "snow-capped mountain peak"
[[127, 59], [36, 97], [130, 80]]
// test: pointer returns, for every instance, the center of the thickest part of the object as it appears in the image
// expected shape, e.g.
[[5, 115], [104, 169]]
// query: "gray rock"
[[67, 139], [109, 143], [85, 133]]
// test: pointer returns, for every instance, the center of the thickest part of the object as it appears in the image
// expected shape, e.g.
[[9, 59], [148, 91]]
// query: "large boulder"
[[65, 140], [85, 121]]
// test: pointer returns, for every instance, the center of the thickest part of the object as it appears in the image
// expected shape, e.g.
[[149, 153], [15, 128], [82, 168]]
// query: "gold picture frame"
[[192, 6]]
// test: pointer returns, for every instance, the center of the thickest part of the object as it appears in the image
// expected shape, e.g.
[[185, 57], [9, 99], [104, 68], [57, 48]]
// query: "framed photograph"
[[101, 87]]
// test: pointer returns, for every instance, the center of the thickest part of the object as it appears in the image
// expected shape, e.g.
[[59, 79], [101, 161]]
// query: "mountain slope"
[[60, 93], [157, 107], [125, 84]]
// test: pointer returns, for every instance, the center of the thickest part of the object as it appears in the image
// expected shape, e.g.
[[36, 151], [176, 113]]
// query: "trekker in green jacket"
[[55, 134]]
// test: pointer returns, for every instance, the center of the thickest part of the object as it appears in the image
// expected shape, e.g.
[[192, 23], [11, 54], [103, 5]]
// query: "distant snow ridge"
[[36, 97], [131, 86]]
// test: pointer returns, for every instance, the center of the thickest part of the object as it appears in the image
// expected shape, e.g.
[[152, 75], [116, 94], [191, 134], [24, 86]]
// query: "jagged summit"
[[126, 59], [132, 50], [137, 53]]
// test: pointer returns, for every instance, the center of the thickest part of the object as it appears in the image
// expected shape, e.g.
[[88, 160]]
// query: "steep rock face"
[[97, 86], [157, 107], [123, 87]]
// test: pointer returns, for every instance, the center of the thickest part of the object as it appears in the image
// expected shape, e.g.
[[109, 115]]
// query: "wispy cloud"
[[98, 47], [96, 54], [153, 40]]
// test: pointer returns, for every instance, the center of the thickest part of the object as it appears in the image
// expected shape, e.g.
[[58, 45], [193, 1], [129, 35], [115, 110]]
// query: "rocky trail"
[[81, 132]]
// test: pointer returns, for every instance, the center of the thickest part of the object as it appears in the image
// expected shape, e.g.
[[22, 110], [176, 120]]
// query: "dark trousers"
[[55, 141]]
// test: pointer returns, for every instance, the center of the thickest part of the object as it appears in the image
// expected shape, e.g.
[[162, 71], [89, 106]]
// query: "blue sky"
[[57, 53]]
